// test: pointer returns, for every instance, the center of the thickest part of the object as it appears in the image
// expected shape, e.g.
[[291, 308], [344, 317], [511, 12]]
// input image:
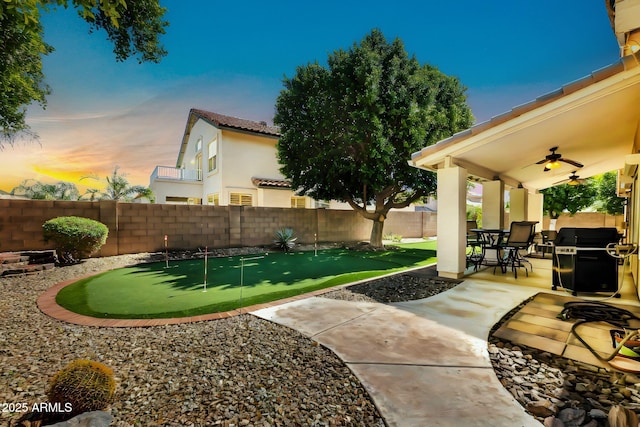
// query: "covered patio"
[[536, 324], [594, 125], [593, 121]]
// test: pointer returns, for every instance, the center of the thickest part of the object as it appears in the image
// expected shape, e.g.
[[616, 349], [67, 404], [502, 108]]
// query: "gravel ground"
[[237, 371], [241, 371]]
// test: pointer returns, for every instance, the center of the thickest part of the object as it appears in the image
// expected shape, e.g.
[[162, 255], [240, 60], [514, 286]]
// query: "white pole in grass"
[[206, 256], [242, 260], [166, 251], [315, 244]]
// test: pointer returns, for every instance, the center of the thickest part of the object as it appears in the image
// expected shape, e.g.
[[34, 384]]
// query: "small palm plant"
[[284, 239]]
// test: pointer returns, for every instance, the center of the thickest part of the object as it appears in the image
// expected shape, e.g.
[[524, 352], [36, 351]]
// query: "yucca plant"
[[284, 239]]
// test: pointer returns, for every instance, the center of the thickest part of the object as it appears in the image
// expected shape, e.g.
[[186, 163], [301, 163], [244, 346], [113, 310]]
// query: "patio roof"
[[594, 121]]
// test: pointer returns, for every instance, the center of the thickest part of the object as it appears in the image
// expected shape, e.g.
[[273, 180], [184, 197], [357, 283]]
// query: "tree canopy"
[[570, 198], [608, 200], [37, 190], [133, 26], [349, 129], [117, 188], [597, 193]]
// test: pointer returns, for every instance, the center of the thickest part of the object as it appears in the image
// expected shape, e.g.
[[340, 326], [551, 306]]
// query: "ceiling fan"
[[552, 161], [573, 180]]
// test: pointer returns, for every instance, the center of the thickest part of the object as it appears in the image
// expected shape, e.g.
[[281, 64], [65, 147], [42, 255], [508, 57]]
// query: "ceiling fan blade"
[[542, 161], [572, 162], [564, 181]]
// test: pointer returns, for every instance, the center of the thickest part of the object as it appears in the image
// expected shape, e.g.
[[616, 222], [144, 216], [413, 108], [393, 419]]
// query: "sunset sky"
[[230, 57]]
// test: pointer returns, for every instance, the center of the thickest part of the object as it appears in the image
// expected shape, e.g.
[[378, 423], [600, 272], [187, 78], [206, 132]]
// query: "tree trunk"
[[376, 233]]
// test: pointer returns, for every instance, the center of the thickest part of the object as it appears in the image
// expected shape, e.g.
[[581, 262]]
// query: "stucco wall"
[[135, 227]]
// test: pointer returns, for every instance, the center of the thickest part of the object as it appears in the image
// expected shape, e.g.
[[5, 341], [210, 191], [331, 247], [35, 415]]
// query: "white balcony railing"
[[168, 172]]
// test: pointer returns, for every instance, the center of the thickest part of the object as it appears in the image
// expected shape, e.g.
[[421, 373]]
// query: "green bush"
[[284, 239], [75, 238]]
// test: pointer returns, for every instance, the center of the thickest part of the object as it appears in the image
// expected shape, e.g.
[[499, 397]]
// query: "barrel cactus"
[[85, 385]]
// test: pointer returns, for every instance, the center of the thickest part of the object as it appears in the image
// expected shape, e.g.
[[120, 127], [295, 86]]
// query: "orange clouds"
[[135, 135]]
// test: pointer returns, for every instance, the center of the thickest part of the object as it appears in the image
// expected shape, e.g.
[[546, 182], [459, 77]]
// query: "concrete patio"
[[425, 362]]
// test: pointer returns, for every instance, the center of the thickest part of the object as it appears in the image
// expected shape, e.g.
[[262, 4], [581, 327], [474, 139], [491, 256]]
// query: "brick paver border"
[[48, 305]]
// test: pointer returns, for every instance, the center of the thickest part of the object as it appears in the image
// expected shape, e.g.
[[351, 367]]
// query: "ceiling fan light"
[[573, 182], [552, 165]]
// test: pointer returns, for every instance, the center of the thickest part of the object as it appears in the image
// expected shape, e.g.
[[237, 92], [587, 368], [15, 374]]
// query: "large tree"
[[133, 26], [568, 198], [608, 200], [349, 129]]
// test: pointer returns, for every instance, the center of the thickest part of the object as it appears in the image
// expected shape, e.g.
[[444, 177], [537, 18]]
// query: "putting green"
[[155, 291]]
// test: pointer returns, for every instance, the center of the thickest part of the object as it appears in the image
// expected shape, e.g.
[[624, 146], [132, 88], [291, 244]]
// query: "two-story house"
[[223, 161]]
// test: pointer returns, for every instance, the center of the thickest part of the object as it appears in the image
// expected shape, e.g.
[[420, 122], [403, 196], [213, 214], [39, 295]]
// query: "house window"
[[213, 199], [213, 155], [199, 144], [183, 200], [298, 202], [239, 199]]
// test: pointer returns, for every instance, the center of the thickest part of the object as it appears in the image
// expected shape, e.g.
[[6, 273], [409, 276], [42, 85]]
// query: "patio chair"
[[474, 245], [521, 235], [548, 236]]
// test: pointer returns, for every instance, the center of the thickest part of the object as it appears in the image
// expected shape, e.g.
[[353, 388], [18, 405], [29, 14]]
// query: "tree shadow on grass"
[[276, 276], [282, 269]]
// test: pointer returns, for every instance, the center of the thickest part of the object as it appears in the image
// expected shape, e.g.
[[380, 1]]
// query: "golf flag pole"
[[242, 260], [166, 251], [315, 244], [206, 256]]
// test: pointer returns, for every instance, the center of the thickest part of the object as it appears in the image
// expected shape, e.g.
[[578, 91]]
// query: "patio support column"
[[518, 201], [452, 216], [535, 212], [493, 205]]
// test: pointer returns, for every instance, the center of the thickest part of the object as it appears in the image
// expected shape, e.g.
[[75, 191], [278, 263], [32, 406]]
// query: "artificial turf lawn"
[[154, 291]]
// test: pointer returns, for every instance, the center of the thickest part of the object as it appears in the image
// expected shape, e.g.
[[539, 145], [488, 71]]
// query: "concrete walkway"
[[424, 362]]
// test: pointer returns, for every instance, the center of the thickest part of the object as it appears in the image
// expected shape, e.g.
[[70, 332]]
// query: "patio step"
[[13, 263]]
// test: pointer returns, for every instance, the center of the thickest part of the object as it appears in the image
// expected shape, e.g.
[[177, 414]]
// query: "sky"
[[231, 57]]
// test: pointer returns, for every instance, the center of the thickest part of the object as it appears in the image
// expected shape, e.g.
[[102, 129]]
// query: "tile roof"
[[220, 120], [599, 75], [270, 183]]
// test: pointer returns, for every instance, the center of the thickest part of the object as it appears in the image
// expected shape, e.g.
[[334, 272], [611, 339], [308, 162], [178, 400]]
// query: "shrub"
[[395, 238], [75, 237], [284, 239], [85, 385]]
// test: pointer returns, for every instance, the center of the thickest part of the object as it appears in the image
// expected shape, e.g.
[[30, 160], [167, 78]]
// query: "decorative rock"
[[88, 419], [541, 408], [622, 417], [572, 417], [597, 413], [553, 422]]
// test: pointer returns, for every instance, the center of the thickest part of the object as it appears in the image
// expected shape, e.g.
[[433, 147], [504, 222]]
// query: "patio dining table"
[[492, 240]]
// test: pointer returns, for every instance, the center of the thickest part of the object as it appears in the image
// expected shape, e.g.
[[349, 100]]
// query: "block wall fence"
[[135, 227]]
